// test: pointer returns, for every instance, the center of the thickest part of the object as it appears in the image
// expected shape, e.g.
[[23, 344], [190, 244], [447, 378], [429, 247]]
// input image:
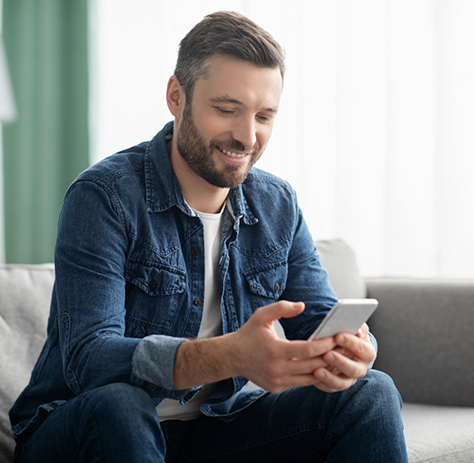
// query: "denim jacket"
[[130, 280]]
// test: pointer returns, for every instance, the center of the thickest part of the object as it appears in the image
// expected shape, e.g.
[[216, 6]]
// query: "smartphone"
[[347, 316]]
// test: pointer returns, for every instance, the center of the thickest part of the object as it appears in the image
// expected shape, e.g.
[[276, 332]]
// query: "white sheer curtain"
[[376, 125]]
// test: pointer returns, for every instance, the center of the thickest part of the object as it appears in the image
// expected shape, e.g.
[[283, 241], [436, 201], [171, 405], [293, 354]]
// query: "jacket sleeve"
[[90, 257], [307, 281]]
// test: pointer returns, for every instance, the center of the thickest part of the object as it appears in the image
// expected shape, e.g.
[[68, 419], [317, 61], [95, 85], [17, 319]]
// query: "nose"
[[245, 131]]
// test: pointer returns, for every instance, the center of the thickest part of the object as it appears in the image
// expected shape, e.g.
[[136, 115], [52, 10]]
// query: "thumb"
[[280, 309]]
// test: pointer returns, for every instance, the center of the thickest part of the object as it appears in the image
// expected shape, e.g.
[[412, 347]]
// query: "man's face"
[[225, 128]]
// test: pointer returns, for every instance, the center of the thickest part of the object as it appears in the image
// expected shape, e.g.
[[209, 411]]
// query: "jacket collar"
[[162, 187]]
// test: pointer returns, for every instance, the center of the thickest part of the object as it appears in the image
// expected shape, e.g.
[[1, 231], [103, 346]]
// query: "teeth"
[[233, 155]]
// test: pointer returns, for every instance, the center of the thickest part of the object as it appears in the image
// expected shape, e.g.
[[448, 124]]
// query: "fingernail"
[[320, 374], [296, 306]]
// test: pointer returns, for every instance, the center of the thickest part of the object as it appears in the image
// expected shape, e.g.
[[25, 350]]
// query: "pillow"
[[339, 260], [24, 307]]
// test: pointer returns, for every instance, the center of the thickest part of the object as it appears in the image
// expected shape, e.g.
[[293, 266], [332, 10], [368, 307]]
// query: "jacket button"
[[194, 251], [277, 287], [152, 285], [197, 302]]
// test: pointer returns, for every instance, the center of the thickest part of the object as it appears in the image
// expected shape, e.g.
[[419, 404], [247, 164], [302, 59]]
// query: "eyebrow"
[[230, 100]]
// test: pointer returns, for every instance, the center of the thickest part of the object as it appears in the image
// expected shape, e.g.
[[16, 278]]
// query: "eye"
[[265, 119], [225, 112]]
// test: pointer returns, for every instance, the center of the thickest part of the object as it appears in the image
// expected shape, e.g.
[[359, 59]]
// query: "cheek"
[[263, 137], [210, 124]]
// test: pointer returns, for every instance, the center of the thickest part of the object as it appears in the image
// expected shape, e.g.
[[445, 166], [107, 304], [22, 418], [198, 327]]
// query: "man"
[[173, 259]]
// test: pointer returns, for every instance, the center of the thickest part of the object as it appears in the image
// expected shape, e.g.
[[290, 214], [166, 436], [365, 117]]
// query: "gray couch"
[[424, 330]]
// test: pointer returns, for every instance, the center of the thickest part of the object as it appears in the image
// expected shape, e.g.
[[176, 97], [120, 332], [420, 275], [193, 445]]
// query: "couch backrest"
[[25, 293], [424, 328], [338, 258]]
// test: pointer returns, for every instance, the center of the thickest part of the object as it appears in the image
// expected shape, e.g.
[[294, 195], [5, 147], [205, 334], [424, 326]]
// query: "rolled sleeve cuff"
[[153, 365]]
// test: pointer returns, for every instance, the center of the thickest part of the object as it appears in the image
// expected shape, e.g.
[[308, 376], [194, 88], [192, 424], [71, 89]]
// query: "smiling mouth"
[[233, 155]]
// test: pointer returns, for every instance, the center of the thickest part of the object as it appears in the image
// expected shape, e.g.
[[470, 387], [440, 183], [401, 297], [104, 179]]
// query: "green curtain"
[[46, 44]]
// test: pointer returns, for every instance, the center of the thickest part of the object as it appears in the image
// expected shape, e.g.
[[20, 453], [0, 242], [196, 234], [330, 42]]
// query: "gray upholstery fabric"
[[339, 260], [25, 293], [425, 337], [439, 434]]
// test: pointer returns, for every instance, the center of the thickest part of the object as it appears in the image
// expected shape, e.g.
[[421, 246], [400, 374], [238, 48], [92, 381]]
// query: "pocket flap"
[[156, 279], [268, 281]]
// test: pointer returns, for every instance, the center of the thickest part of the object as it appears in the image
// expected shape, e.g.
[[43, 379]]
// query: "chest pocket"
[[157, 279], [266, 284], [154, 295]]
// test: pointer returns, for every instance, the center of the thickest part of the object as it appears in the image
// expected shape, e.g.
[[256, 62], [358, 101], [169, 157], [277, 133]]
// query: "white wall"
[[375, 126]]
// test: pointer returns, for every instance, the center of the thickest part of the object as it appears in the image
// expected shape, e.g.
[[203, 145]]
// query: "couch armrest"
[[426, 342]]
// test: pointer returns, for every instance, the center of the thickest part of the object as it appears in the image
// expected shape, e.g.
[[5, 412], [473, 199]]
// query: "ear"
[[175, 97]]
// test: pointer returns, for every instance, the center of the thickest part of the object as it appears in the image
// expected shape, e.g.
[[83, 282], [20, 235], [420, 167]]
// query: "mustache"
[[235, 145]]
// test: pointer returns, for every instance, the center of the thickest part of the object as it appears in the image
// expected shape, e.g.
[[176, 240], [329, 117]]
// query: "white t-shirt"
[[211, 323]]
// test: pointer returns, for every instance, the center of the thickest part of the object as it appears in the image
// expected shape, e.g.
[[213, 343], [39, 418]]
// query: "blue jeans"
[[118, 423]]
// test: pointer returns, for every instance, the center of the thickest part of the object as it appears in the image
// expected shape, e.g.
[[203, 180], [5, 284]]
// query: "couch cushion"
[[24, 306], [338, 258], [424, 329], [438, 434]]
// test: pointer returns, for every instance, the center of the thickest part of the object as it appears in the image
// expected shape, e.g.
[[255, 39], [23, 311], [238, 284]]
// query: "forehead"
[[234, 80]]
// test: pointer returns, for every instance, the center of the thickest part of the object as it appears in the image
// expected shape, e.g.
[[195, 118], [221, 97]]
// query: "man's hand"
[[347, 363], [256, 352], [273, 363]]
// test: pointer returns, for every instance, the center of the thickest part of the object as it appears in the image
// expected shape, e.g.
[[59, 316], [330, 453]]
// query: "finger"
[[305, 366], [363, 331], [305, 349], [295, 380], [361, 349], [277, 310], [327, 381], [350, 368], [287, 374], [344, 351]]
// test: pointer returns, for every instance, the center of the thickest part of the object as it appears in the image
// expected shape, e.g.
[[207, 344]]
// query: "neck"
[[198, 193]]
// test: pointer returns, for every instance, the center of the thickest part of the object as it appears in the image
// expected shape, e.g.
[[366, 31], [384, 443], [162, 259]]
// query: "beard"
[[198, 154]]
